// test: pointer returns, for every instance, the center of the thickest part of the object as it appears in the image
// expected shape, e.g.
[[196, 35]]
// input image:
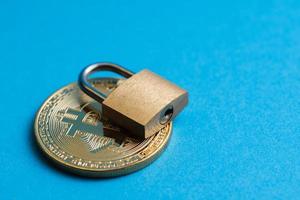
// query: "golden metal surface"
[[70, 130], [144, 103]]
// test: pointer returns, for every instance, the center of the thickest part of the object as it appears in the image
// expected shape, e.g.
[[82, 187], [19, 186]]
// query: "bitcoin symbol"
[[76, 119]]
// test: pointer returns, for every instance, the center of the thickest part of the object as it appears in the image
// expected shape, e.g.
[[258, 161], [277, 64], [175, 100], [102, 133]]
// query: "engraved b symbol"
[[75, 118]]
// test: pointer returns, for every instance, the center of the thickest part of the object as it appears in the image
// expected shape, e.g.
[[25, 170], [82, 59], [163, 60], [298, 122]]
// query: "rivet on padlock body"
[[142, 104]]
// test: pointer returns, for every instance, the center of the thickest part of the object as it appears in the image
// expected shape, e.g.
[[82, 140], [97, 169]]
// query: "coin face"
[[71, 131]]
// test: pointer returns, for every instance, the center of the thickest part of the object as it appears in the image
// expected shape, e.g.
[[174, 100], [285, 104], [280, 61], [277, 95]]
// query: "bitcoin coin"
[[71, 131]]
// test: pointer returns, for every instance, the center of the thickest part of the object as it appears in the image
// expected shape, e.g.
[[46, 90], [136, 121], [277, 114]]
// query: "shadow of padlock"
[[143, 104]]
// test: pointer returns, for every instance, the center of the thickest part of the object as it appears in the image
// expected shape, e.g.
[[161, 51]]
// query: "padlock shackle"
[[87, 87]]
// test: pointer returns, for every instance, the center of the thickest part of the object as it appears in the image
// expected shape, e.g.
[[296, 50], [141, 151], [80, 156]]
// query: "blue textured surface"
[[239, 137]]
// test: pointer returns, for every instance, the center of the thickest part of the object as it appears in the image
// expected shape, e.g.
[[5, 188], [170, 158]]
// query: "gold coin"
[[70, 130]]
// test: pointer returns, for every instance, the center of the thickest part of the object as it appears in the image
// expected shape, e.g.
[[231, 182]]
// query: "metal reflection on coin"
[[70, 130]]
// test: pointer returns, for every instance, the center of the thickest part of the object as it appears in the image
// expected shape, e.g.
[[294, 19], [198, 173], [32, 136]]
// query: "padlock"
[[143, 104]]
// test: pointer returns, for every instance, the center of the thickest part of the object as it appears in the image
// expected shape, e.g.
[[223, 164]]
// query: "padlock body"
[[140, 103]]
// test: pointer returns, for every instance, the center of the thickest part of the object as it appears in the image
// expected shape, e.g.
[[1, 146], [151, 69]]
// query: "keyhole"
[[166, 115]]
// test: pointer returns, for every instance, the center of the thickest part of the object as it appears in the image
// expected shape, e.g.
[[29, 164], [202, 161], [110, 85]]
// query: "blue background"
[[239, 137]]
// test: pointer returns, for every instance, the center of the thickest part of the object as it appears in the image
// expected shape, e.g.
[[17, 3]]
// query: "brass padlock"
[[142, 104]]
